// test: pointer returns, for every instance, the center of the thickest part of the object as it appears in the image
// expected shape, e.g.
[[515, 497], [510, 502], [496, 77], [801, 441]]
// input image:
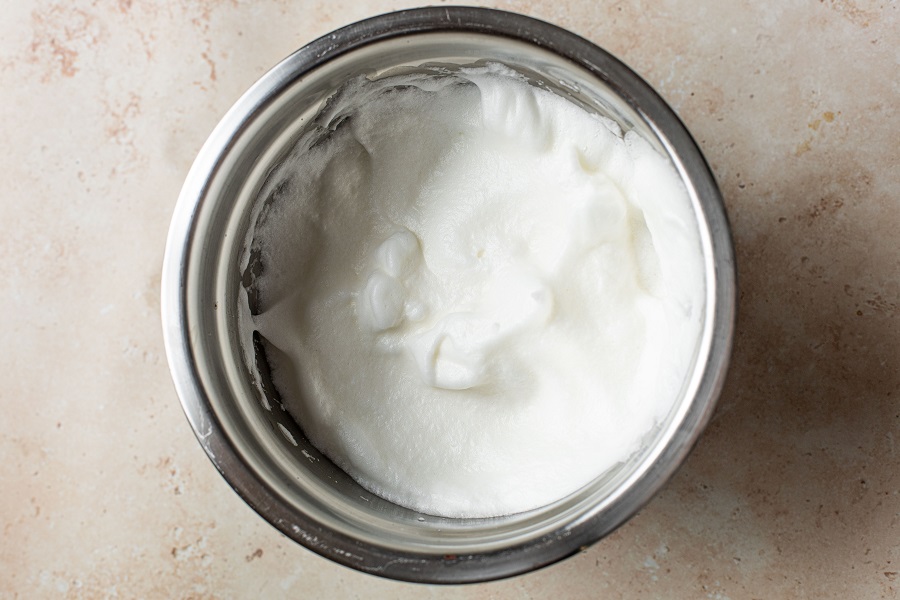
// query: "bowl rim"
[[384, 561]]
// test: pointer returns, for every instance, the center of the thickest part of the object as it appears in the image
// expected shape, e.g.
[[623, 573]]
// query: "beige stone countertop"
[[792, 492]]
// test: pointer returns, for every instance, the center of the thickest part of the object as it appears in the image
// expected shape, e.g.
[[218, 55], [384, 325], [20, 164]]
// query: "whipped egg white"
[[478, 296]]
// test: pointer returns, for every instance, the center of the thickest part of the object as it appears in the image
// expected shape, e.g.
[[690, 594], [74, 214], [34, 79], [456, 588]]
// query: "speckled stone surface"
[[793, 491]]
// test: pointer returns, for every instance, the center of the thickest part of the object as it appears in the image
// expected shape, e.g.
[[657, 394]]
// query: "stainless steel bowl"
[[246, 433]]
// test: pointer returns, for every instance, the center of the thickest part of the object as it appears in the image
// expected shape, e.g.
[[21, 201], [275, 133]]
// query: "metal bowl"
[[222, 382]]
